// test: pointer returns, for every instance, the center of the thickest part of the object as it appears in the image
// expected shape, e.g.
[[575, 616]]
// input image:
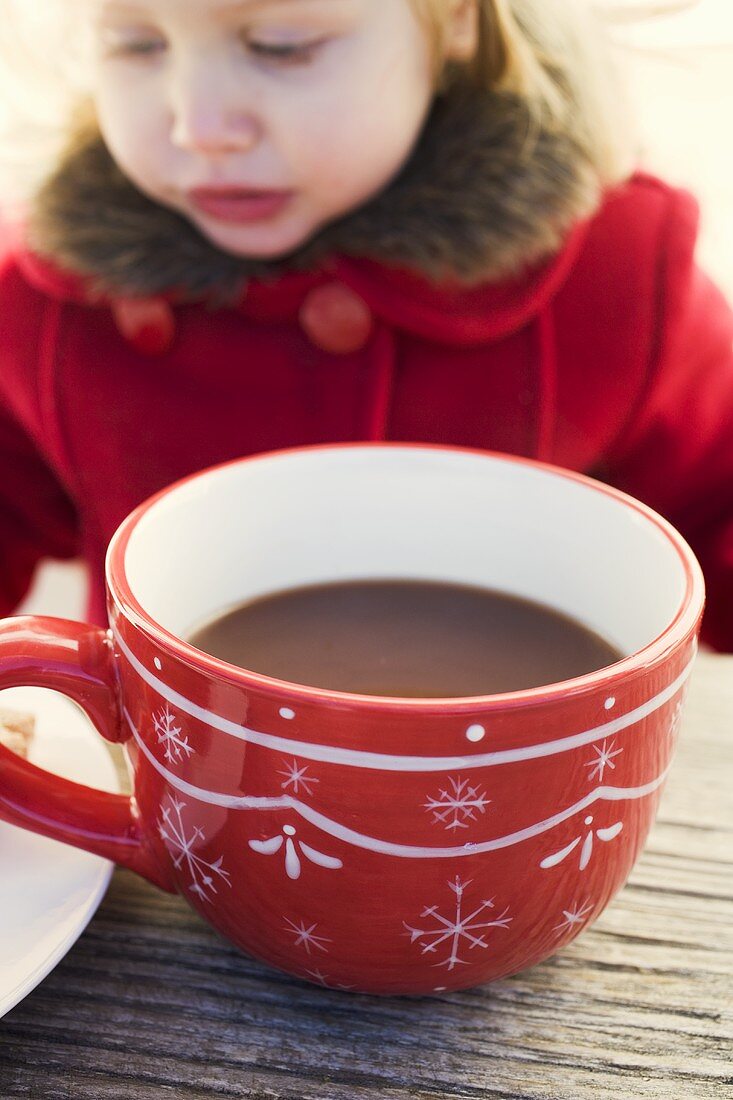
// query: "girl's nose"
[[210, 131], [209, 117]]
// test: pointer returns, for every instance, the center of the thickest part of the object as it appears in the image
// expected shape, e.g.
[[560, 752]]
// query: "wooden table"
[[151, 1003]]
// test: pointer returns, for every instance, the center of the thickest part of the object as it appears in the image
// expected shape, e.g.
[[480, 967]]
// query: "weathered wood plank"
[[151, 1002]]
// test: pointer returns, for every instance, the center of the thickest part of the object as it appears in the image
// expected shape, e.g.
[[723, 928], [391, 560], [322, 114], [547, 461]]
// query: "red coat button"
[[336, 319], [147, 323]]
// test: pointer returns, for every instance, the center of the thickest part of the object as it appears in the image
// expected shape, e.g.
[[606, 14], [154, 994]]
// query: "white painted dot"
[[288, 830], [156, 662], [589, 820], [475, 733], [286, 712], [610, 702]]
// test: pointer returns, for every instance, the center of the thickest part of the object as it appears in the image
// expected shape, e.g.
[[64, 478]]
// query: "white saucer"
[[50, 891]]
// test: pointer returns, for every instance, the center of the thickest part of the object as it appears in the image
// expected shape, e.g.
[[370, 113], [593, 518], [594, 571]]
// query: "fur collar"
[[477, 202]]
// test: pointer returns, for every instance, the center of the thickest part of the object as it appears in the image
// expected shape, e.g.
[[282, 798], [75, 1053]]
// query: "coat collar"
[[477, 231]]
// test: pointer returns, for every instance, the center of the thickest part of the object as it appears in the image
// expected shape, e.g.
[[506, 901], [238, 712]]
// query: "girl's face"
[[263, 120]]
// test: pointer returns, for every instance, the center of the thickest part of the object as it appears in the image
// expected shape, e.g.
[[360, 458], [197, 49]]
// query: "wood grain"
[[151, 1003]]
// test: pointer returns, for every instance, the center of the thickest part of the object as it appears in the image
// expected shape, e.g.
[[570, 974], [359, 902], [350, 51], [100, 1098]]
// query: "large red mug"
[[377, 844]]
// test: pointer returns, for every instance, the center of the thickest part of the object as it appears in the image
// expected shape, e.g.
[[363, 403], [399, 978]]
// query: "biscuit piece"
[[16, 731]]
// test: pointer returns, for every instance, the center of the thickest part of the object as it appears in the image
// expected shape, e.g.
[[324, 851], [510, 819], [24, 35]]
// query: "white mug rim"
[[681, 625]]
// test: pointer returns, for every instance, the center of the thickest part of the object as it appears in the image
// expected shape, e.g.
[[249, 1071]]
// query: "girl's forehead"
[[216, 7]]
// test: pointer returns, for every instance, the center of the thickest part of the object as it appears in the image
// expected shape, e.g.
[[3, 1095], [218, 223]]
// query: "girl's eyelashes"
[[288, 53], [138, 45], [142, 49], [149, 44]]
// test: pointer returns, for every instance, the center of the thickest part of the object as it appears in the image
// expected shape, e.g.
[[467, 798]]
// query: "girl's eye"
[[143, 49], [296, 53], [142, 46]]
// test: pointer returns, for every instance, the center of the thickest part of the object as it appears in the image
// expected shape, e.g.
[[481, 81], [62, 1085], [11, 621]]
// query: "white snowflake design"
[[204, 875], [603, 760], [306, 937], [295, 776], [676, 722], [293, 864], [456, 807], [169, 734], [322, 979], [456, 928], [574, 917], [587, 850]]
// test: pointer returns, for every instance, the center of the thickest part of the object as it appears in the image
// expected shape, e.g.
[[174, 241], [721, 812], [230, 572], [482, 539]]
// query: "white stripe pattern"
[[356, 758], [384, 847]]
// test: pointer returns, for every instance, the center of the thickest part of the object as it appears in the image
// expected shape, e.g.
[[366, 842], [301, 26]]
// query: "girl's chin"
[[253, 242]]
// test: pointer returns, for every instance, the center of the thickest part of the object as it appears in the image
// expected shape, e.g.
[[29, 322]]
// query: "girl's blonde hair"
[[552, 54], [556, 57], [44, 77]]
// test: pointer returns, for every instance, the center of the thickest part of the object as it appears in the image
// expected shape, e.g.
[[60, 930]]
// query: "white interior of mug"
[[313, 516]]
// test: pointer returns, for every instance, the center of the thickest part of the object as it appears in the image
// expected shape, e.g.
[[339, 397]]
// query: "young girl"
[[288, 222]]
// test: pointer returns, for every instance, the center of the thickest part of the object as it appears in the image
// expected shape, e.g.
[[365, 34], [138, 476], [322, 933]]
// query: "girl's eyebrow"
[[234, 5]]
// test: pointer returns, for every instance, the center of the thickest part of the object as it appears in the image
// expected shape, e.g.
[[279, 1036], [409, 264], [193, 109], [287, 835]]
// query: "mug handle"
[[77, 660]]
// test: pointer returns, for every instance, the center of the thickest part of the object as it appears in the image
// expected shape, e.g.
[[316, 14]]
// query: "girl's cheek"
[[135, 138], [126, 109], [358, 146]]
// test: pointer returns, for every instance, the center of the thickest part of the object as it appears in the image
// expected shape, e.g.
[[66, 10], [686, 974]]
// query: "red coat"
[[613, 359]]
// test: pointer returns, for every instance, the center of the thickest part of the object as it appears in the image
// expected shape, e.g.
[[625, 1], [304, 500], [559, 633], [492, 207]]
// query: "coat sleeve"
[[677, 453], [37, 518]]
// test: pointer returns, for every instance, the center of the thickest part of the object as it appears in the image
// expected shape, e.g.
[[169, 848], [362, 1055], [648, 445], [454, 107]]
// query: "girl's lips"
[[238, 204]]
